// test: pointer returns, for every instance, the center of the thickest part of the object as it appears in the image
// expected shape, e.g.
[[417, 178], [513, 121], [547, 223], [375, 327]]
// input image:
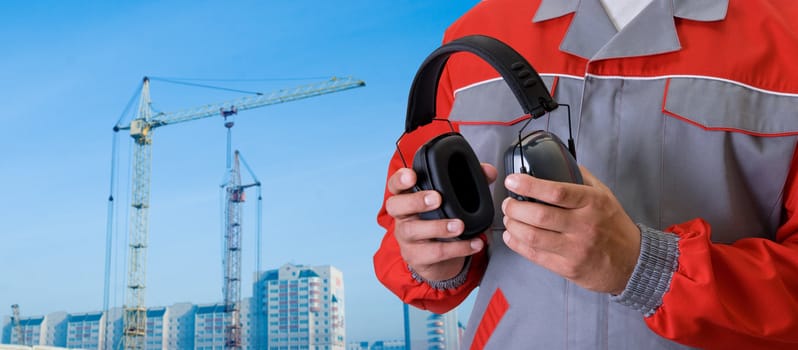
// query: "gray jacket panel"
[[657, 143]]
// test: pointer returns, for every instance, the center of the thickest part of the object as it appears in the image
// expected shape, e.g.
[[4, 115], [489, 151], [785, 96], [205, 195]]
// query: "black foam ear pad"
[[449, 165]]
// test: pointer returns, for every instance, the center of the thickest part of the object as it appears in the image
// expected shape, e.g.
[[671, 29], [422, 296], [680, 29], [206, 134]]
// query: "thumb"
[[490, 172]]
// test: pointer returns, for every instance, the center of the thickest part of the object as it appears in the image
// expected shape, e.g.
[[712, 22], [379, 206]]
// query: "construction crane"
[[235, 196], [141, 129], [17, 325]]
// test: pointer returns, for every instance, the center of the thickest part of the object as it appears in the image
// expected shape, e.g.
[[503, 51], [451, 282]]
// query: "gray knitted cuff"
[[451, 283], [651, 278]]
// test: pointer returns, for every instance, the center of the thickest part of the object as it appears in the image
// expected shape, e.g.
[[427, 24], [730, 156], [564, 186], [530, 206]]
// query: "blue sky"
[[68, 70]]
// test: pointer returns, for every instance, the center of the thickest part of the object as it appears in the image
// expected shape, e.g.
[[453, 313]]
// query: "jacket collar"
[[591, 34]]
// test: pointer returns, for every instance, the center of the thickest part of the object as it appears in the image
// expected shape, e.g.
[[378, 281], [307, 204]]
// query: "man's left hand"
[[584, 235]]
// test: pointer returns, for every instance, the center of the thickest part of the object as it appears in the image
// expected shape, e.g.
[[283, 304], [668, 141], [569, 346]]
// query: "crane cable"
[[111, 227], [238, 80], [125, 111], [188, 82], [205, 86]]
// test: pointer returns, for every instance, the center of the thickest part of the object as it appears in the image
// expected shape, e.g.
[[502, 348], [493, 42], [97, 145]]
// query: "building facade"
[[210, 323], [425, 330], [112, 334], [84, 331], [180, 326], [157, 332], [303, 308], [294, 307], [30, 331]]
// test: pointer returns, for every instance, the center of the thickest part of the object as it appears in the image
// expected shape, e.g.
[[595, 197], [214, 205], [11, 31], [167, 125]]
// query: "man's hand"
[[584, 235], [418, 239]]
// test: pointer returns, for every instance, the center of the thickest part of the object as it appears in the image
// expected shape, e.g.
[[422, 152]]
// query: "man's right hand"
[[419, 240]]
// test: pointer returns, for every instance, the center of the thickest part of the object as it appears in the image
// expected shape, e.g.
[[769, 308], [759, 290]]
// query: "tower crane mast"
[[15, 322], [232, 257], [141, 128], [234, 198]]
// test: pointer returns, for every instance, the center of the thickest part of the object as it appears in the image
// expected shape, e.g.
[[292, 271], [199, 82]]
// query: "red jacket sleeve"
[[390, 268], [738, 296]]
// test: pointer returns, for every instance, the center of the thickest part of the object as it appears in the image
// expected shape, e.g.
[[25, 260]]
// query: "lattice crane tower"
[[141, 128]]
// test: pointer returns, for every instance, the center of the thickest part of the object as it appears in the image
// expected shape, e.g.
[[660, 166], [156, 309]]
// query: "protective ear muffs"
[[447, 163], [543, 155]]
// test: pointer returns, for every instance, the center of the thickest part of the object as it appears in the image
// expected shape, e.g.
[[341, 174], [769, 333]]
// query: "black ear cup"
[[542, 155], [449, 165]]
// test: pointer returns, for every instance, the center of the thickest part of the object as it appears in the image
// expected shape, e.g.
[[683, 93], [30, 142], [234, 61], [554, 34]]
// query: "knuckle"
[[439, 253], [530, 253], [421, 254], [541, 216], [402, 231], [571, 271], [532, 239], [510, 209], [520, 244], [417, 230], [558, 194], [391, 205], [416, 202], [508, 222]]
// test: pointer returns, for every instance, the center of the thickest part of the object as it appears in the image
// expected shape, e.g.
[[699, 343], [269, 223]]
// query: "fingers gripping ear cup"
[[449, 165]]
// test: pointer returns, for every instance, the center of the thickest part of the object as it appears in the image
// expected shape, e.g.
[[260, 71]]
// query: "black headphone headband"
[[523, 80]]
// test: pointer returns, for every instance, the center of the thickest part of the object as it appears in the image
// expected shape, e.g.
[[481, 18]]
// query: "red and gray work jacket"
[[690, 115]]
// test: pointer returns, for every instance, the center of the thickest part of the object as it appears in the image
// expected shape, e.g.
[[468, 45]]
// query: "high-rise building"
[[248, 325], [29, 332], [55, 329], [425, 330], [303, 308], [113, 327], [180, 327], [295, 308], [210, 322], [156, 335], [36, 330], [84, 330], [171, 327]]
